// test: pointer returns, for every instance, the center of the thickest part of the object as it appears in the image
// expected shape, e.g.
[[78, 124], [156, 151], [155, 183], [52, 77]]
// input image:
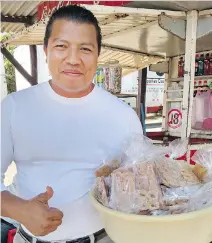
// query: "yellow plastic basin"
[[193, 227]]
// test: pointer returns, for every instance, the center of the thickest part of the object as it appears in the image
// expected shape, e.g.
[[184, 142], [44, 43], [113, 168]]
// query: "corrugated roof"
[[112, 23], [129, 62], [172, 5], [17, 9]]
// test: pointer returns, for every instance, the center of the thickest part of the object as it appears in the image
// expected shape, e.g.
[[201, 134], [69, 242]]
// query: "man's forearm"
[[12, 206]]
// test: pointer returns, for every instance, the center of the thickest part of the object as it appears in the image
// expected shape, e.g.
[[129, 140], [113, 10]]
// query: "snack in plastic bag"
[[101, 191], [147, 185], [179, 195], [178, 148], [175, 173], [140, 148], [123, 190], [136, 189], [203, 167], [201, 199], [108, 168], [144, 181]]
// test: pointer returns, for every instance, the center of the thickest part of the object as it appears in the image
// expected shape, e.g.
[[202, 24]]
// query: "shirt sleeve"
[[7, 148]]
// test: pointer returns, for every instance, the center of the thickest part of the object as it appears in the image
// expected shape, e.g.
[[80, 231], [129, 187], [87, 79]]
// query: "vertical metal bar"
[[143, 98], [4, 90], [165, 104], [190, 50], [34, 63], [143, 86], [139, 94]]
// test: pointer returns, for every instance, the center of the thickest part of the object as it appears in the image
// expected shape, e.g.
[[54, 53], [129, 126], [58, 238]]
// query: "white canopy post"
[[189, 74], [3, 80]]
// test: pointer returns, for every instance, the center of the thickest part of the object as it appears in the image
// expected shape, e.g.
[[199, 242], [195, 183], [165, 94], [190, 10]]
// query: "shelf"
[[196, 78], [176, 90], [201, 134], [199, 146], [126, 95], [194, 131], [174, 100], [174, 134]]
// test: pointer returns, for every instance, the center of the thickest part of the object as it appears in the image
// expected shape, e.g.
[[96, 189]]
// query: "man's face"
[[72, 55]]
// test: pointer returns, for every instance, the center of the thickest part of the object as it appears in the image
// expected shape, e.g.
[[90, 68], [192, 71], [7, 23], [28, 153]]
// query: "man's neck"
[[69, 94]]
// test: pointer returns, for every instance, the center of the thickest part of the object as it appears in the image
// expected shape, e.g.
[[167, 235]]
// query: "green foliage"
[[9, 68]]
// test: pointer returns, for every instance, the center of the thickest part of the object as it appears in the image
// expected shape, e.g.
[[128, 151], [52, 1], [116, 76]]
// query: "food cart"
[[137, 36]]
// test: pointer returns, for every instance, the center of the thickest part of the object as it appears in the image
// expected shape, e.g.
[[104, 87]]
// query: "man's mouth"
[[72, 72]]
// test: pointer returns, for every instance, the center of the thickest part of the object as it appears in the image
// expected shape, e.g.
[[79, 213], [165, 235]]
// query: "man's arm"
[[135, 126], [35, 214], [11, 206], [7, 153]]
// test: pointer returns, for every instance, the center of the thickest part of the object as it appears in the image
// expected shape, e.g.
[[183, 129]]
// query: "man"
[[59, 132]]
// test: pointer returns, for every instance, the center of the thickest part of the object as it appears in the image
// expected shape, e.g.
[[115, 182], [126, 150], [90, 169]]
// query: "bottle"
[[200, 83], [201, 65], [196, 64], [205, 83], [210, 65], [181, 67], [206, 64]]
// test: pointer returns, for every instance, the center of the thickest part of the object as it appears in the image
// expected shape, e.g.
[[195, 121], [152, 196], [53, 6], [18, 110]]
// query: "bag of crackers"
[[148, 179]]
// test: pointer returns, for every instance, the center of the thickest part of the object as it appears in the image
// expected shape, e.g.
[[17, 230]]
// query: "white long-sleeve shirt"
[[60, 142]]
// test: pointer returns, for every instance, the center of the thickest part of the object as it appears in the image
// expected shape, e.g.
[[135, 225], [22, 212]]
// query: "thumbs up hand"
[[39, 218]]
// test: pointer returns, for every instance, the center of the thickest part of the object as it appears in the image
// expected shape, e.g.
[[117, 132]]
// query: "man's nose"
[[73, 57]]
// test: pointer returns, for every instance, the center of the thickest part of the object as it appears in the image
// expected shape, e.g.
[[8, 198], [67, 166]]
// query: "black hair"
[[77, 14]]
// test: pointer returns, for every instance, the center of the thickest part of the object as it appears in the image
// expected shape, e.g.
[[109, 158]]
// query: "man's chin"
[[73, 88]]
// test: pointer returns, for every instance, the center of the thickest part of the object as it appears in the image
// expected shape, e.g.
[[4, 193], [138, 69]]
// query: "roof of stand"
[[130, 34], [172, 5], [18, 9]]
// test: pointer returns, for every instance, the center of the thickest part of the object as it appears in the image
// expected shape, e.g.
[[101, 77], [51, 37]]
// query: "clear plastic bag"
[[178, 148], [101, 191], [110, 160], [201, 199], [203, 167], [135, 184], [138, 149], [135, 189], [123, 191], [175, 173], [108, 168], [179, 195], [199, 112]]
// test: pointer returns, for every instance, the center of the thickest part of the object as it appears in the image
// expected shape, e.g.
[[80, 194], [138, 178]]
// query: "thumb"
[[45, 196]]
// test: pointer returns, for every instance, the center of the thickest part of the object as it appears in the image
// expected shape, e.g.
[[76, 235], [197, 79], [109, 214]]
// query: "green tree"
[[9, 68]]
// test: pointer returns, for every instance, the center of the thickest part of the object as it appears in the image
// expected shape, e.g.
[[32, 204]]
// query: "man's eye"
[[60, 46], [85, 49]]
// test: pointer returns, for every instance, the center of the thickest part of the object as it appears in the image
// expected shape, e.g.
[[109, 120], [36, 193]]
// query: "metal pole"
[[34, 62], [17, 65], [3, 80]]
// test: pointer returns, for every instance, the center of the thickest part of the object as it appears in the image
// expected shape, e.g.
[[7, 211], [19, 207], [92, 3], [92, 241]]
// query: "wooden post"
[[18, 66], [33, 58]]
